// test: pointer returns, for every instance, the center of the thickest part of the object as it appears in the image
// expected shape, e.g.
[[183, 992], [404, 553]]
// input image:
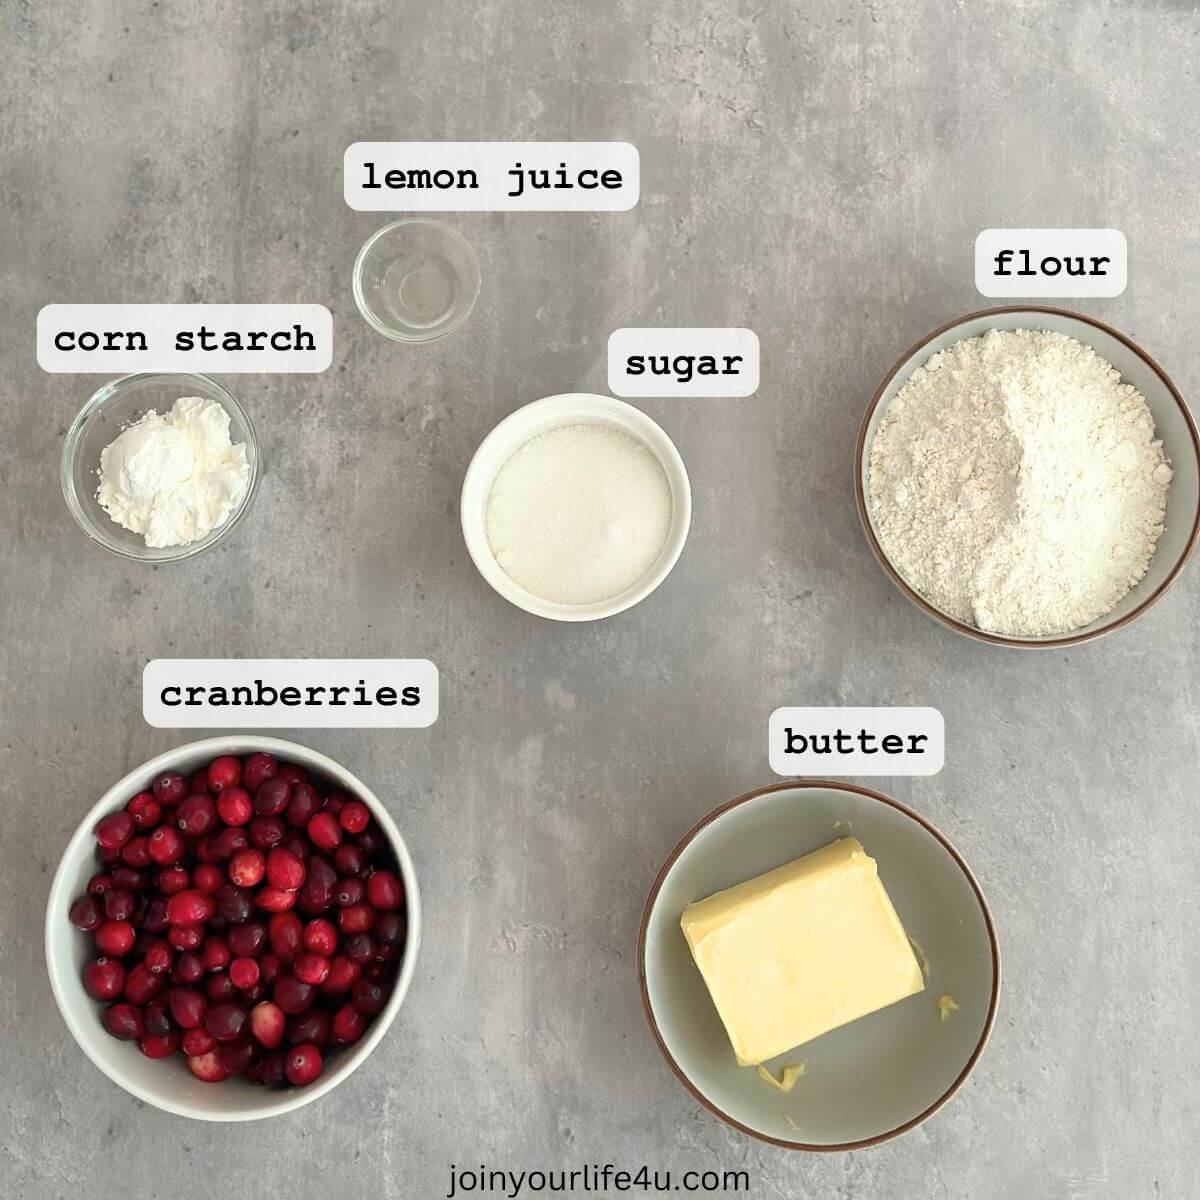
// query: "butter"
[[801, 950], [787, 1077], [946, 1005]]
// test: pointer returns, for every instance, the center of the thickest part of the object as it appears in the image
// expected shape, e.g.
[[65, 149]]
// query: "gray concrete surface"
[[817, 171]]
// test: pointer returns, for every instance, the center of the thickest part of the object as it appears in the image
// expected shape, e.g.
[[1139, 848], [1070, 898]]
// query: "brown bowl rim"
[[648, 1011], [954, 623]]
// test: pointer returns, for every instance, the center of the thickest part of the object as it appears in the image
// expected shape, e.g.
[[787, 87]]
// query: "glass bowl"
[[416, 280], [112, 408]]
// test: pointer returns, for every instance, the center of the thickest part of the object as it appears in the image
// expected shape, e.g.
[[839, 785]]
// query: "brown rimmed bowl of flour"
[[576, 507], [1029, 476]]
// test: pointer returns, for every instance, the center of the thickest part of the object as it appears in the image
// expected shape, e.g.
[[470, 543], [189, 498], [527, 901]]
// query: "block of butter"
[[801, 950]]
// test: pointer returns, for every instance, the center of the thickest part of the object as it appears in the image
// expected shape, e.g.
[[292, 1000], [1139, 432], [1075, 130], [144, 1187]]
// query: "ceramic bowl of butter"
[[1033, 497], [818, 966], [203, 503]]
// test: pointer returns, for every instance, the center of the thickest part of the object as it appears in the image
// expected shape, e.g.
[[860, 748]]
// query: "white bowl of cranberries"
[[233, 928]]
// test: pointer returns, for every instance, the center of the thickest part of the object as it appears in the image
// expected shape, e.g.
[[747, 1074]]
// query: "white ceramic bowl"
[[167, 1084], [1172, 423], [574, 408]]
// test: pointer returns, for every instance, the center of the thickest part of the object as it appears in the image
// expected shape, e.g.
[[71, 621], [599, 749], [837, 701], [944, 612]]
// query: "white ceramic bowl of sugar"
[[521, 427], [1173, 424]]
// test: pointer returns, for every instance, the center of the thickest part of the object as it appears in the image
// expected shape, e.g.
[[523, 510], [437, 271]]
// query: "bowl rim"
[[390, 331], [94, 403], [473, 522], [58, 901], [989, 924], [980, 635]]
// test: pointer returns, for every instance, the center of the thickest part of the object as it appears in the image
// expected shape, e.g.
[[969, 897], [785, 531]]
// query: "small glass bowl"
[[109, 411], [416, 280]]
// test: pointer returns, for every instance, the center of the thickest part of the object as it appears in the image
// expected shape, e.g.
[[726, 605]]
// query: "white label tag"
[[290, 693], [1051, 262], [856, 741], [218, 339], [683, 362], [491, 176]]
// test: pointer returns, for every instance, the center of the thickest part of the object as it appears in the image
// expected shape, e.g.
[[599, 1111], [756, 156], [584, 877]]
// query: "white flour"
[[174, 478], [1016, 483], [579, 514]]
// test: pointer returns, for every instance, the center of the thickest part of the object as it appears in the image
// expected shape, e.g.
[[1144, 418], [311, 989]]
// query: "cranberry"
[[224, 772], [107, 858], [304, 805], [390, 928], [296, 843], [360, 948], [185, 937], [190, 908], [201, 849], [158, 1019], [266, 832], [312, 1026], [273, 797], [119, 905], [233, 904], [321, 937], [224, 845], [224, 1021], [349, 891], [267, 1024], [85, 913], [166, 845], [173, 879], [271, 965], [285, 871], [286, 931], [99, 884], [114, 939], [292, 773], [356, 918], [237, 1057], [145, 810], [243, 973], [348, 1025], [384, 891], [141, 984], [311, 968], [198, 784], [113, 831], [169, 789], [196, 815], [293, 995], [198, 1041], [247, 940], [189, 968], [234, 806], [103, 979], [159, 1045], [342, 974], [350, 860], [258, 769], [317, 893], [219, 987], [124, 1021], [355, 816], [370, 842], [269, 1071], [208, 1067], [158, 957], [324, 831], [208, 878], [187, 1006], [136, 852], [336, 801], [368, 996], [154, 919], [275, 899], [129, 879], [302, 1064], [216, 954]]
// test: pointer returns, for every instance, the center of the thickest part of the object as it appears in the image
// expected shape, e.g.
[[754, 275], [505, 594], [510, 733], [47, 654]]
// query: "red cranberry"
[[224, 845], [237, 1057], [159, 1045], [247, 940], [275, 899], [113, 831], [267, 1023], [99, 884], [390, 928], [190, 908], [224, 772], [233, 904], [317, 893], [187, 1006], [85, 913], [284, 870], [219, 987], [292, 995], [129, 879], [208, 878], [208, 1067], [166, 845], [154, 919], [258, 769], [311, 968], [158, 957], [196, 815], [124, 1021], [234, 806], [321, 937], [141, 984], [271, 966], [103, 979], [119, 905], [169, 789], [324, 831], [201, 848], [272, 797], [224, 1021], [336, 801], [286, 933], [292, 773], [368, 996], [302, 1064], [384, 891], [312, 1026], [296, 843], [342, 974], [304, 805], [356, 918], [243, 973], [216, 954], [107, 858], [355, 816], [269, 1071], [189, 968], [136, 852], [370, 842], [348, 1025], [158, 1019], [145, 810], [185, 937], [173, 879], [350, 860], [360, 948], [349, 891], [198, 1041], [114, 939], [266, 832], [198, 784]]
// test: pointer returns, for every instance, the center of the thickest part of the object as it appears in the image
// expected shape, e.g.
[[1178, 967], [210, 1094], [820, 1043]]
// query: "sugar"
[[579, 514]]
